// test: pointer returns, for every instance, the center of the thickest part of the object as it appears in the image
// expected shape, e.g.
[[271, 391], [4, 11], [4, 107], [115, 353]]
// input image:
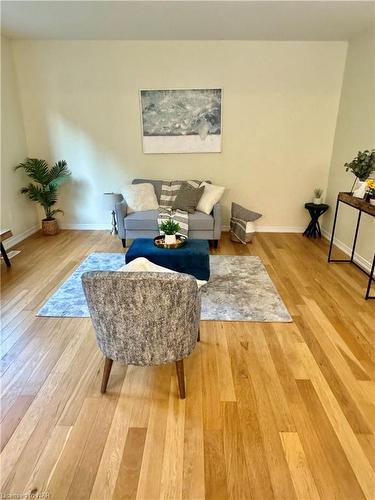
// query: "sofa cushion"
[[198, 221], [147, 221], [157, 185], [140, 197], [188, 197]]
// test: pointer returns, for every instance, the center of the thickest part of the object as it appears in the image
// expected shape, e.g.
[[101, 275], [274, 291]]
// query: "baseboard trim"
[[273, 229], [86, 227], [259, 229], [362, 262], [17, 238], [279, 229]]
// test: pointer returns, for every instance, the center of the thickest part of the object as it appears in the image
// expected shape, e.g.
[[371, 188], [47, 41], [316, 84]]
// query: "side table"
[[315, 211], [4, 235]]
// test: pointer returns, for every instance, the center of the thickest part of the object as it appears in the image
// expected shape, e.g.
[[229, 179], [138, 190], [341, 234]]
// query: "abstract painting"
[[181, 120]]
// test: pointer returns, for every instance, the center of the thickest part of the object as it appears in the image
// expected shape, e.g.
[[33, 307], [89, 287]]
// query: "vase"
[[170, 239], [372, 201], [360, 189], [317, 201], [50, 227]]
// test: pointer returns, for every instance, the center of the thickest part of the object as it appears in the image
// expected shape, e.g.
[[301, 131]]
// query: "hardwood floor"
[[272, 410]]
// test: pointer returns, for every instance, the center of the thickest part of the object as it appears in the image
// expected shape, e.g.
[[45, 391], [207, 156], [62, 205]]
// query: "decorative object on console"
[[370, 191], [43, 189], [242, 227], [181, 120], [169, 228], [211, 195], [317, 200], [139, 197], [362, 167], [109, 202]]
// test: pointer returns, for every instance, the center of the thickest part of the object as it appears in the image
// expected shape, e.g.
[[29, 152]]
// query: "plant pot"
[[170, 239], [372, 201], [50, 227], [317, 201]]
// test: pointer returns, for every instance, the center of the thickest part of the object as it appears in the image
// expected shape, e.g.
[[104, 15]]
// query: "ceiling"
[[183, 20]]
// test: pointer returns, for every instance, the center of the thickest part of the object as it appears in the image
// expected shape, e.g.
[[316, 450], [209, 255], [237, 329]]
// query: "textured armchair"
[[143, 318]]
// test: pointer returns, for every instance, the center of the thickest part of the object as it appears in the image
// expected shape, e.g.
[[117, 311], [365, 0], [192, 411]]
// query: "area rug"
[[239, 289]]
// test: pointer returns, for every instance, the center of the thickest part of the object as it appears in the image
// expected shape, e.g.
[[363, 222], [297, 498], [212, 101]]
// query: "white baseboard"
[[279, 229], [10, 242], [273, 229], [86, 227], [259, 229], [364, 263]]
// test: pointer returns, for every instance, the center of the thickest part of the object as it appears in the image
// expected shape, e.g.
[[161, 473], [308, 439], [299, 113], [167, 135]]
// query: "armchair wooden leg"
[[106, 372], [199, 335], [123, 242], [181, 378]]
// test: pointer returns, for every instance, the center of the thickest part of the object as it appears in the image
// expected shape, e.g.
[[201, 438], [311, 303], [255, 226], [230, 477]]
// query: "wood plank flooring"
[[283, 411]]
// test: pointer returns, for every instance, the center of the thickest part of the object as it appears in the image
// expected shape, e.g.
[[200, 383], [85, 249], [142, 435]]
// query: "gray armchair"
[[143, 318]]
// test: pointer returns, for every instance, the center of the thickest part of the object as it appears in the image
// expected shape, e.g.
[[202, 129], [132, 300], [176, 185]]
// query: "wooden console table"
[[4, 235], [362, 206]]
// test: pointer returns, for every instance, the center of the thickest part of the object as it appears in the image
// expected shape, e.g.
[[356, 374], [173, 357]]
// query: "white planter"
[[372, 201], [317, 201], [170, 239]]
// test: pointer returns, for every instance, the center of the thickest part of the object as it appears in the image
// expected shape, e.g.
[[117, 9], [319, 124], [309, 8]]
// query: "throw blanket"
[[239, 218], [168, 195]]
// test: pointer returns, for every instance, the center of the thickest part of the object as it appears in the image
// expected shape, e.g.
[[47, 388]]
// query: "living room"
[[197, 320]]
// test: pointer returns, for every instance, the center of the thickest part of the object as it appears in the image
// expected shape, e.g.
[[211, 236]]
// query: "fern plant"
[[46, 181], [169, 226]]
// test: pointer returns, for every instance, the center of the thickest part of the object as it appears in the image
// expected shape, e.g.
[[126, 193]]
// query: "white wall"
[[80, 103], [17, 213], [355, 131]]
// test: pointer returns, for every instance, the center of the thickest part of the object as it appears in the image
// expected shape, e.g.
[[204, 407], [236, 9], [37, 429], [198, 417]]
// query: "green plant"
[[170, 226], [318, 192], [46, 181], [362, 165]]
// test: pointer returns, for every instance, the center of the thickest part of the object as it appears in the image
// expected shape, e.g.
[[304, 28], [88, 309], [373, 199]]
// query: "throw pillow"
[[140, 197], [141, 264], [187, 197], [211, 195]]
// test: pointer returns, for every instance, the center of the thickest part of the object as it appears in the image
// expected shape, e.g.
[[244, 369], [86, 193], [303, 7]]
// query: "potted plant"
[[317, 200], [361, 166], [43, 189], [170, 228], [370, 191]]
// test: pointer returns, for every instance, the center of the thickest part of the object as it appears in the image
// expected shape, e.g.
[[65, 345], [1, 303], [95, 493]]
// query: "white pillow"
[[211, 195], [141, 264], [140, 197]]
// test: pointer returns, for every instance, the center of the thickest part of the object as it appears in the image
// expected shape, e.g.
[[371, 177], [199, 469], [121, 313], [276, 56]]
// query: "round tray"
[[159, 241]]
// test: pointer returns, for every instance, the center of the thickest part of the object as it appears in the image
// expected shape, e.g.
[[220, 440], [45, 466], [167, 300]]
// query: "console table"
[[4, 235], [362, 206]]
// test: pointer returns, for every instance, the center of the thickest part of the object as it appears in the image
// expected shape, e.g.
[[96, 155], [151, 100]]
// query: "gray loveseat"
[[145, 225]]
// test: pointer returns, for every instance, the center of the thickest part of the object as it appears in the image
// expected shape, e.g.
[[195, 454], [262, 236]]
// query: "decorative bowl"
[[159, 241]]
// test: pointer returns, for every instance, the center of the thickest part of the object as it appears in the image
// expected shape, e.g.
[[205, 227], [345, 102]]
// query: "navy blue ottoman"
[[193, 258]]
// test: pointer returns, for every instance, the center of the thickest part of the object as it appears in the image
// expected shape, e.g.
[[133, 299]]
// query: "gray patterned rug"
[[239, 289]]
